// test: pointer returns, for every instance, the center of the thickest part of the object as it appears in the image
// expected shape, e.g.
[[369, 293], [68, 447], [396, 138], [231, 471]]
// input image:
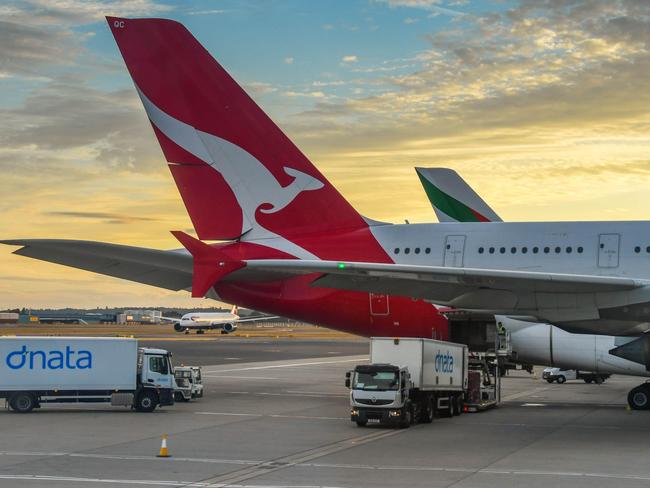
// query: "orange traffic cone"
[[163, 447]]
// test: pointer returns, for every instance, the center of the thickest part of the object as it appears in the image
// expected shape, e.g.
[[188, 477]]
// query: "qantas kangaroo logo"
[[253, 184]]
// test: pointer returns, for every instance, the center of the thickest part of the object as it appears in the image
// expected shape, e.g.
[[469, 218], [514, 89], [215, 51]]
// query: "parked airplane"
[[297, 248], [533, 342], [201, 321]]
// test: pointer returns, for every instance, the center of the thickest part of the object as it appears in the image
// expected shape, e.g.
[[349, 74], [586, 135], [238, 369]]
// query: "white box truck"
[[36, 370], [407, 381]]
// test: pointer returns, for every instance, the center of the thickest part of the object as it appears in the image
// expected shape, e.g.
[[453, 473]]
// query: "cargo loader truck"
[[37, 370], [409, 380]]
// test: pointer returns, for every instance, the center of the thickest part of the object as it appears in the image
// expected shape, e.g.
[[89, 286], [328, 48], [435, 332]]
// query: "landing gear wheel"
[[561, 379], [639, 398], [426, 415], [146, 401], [22, 402], [361, 423]]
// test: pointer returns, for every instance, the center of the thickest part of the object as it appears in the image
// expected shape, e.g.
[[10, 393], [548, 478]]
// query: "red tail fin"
[[235, 169]]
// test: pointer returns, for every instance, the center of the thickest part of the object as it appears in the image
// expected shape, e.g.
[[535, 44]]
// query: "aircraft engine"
[[228, 328], [548, 345], [178, 327]]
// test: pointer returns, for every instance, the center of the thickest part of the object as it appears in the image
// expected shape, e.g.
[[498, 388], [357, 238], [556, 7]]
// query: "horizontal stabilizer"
[[210, 263]]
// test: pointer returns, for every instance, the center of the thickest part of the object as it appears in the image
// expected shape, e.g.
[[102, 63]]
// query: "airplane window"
[[637, 249], [448, 246], [569, 249], [397, 250], [502, 250], [647, 249], [524, 250], [407, 250], [535, 250], [546, 250], [491, 250], [557, 250], [427, 250], [513, 250], [580, 250], [480, 250], [417, 250]]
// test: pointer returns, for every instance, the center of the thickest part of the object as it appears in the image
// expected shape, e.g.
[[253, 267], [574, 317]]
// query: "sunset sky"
[[543, 106]]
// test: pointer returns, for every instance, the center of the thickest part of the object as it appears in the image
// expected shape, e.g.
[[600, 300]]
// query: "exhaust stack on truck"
[[36, 370]]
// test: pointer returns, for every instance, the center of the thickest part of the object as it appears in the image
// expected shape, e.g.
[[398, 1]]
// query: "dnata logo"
[[67, 359], [444, 362]]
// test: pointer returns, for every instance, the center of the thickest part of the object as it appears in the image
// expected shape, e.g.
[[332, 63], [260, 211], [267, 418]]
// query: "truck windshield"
[[376, 381]]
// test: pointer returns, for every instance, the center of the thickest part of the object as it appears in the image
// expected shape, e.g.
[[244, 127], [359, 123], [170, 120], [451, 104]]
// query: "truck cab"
[[189, 384], [379, 393]]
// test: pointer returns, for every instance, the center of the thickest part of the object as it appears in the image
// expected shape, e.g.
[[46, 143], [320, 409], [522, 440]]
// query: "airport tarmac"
[[284, 423]]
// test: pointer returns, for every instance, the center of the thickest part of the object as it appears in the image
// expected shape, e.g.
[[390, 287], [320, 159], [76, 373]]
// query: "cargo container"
[[37, 370]]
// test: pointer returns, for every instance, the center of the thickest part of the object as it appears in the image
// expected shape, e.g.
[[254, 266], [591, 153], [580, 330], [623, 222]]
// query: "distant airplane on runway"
[[202, 321]]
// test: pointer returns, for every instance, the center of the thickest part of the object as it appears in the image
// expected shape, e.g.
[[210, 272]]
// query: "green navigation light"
[[341, 265]]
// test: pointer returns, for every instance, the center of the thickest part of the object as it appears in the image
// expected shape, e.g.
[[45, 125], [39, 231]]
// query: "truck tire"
[[561, 379], [639, 398], [588, 380], [426, 412], [146, 402], [457, 409], [550, 380], [599, 380], [361, 423], [407, 418], [22, 402]]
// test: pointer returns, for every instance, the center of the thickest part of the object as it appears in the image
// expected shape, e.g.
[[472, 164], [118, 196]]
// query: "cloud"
[[108, 217], [349, 59]]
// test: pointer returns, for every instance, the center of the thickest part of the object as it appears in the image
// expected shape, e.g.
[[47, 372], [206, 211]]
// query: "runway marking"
[[285, 462], [524, 393], [291, 394], [290, 365], [242, 377], [277, 416], [184, 484], [534, 405]]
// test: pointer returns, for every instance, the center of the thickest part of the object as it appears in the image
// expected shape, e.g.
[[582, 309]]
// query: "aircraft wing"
[[466, 288], [255, 319], [165, 269]]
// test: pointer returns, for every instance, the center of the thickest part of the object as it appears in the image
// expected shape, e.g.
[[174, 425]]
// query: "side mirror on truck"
[[347, 379]]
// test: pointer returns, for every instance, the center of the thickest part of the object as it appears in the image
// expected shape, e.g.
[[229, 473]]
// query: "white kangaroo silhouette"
[[251, 182]]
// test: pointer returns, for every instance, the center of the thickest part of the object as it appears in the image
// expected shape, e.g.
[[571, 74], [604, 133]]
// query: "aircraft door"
[[379, 304], [608, 245], [454, 249]]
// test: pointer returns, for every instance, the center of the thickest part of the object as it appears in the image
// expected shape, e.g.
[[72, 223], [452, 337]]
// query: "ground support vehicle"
[[189, 384], [562, 375], [483, 384], [37, 370], [409, 380]]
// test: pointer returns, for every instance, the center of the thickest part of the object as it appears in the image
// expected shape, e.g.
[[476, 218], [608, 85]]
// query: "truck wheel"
[[426, 414], [588, 380], [550, 380], [561, 379], [146, 401], [456, 404], [599, 380], [639, 398], [22, 402], [407, 418], [361, 423]]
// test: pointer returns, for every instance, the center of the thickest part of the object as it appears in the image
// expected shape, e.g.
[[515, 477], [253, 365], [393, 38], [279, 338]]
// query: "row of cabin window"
[[535, 250], [637, 249], [407, 250]]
